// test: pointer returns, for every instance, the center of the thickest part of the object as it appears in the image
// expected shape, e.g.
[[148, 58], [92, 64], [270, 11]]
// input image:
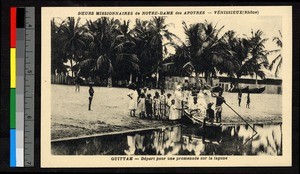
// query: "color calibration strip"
[[21, 50], [13, 66]]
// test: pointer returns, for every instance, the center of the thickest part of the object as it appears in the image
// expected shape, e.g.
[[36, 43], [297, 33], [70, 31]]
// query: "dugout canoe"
[[251, 91], [243, 90], [193, 119], [257, 90]]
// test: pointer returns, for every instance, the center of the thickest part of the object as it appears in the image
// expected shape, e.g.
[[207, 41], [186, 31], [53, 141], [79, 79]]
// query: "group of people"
[[171, 106], [145, 106]]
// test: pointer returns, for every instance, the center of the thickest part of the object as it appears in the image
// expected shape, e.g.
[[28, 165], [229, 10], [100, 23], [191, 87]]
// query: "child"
[[162, 101], [148, 104], [91, 92], [156, 106], [168, 105], [248, 101], [173, 112], [210, 115], [141, 105]]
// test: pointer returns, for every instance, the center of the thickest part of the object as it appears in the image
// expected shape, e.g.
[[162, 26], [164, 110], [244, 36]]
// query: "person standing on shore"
[[173, 114], [91, 92], [148, 105], [240, 97], [77, 84], [156, 105], [178, 102], [220, 100], [207, 94], [133, 95], [162, 105], [141, 105], [248, 101], [168, 104]]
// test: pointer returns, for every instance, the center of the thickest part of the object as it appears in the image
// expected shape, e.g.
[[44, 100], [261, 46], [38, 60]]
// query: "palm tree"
[[232, 51], [202, 48], [159, 31], [72, 40], [108, 50], [150, 37], [257, 56], [142, 39], [129, 62], [57, 57], [101, 67], [277, 62], [239, 48]]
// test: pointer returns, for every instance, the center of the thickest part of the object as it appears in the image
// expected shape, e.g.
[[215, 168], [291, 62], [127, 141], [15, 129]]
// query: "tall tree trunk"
[[197, 79], [237, 82], [211, 80], [109, 81], [157, 79], [208, 78], [72, 74], [130, 79], [256, 82]]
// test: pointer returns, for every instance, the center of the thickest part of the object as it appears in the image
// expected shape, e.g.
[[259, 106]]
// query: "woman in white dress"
[[202, 104], [178, 102], [207, 95], [133, 95], [173, 111]]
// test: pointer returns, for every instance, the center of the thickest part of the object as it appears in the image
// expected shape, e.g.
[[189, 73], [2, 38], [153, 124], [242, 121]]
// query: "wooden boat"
[[197, 119], [247, 90], [208, 130], [257, 90], [189, 118], [243, 90]]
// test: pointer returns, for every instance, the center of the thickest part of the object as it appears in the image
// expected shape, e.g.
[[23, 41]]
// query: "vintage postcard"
[[190, 86]]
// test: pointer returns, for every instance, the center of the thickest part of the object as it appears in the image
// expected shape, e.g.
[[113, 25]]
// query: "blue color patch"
[[13, 148]]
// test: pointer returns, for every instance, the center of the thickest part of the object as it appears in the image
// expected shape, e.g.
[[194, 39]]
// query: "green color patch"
[[12, 108]]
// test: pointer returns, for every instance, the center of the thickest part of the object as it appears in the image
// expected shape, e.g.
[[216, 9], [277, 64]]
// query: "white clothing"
[[173, 113], [133, 100], [207, 96], [178, 103]]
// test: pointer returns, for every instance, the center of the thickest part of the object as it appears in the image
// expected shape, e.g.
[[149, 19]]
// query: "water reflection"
[[180, 140]]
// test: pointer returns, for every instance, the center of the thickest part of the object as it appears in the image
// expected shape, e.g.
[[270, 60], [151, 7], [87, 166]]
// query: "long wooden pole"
[[233, 111]]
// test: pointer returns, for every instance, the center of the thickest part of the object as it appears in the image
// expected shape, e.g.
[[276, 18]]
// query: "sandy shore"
[[70, 116]]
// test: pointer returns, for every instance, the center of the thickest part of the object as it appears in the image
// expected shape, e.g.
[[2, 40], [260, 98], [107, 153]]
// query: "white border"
[[48, 160]]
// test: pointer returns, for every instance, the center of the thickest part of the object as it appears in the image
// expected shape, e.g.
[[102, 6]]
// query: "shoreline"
[[70, 116], [168, 124]]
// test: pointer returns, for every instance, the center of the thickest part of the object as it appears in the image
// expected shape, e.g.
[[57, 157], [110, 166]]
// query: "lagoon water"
[[179, 140]]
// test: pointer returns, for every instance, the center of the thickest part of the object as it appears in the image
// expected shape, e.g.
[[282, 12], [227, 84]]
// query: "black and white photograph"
[[166, 86]]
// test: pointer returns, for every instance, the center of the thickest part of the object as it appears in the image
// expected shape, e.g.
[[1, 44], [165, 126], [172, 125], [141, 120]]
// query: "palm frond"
[[278, 67], [276, 59], [189, 64]]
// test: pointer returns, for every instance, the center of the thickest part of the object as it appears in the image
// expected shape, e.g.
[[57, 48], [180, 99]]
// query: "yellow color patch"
[[13, 66]]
